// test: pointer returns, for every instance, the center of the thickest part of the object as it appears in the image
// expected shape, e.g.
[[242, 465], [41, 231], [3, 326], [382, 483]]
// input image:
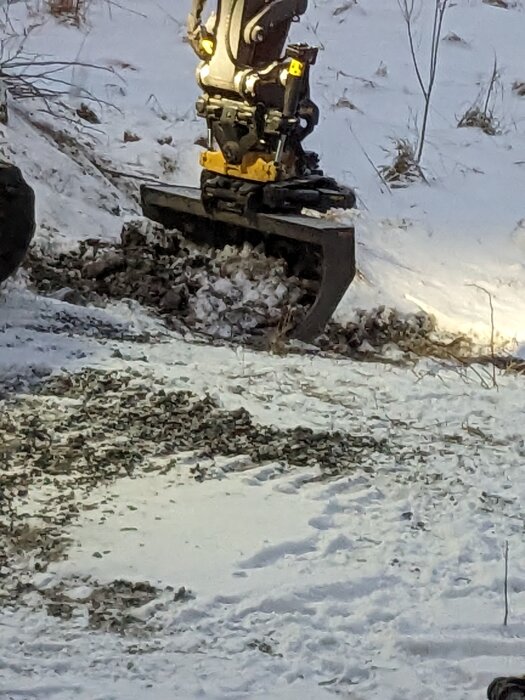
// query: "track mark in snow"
[[321, 522], [465, 647], [338, 544], [271, 555]]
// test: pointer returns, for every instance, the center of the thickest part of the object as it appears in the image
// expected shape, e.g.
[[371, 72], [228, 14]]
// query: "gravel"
[[79, 431], [236, 294]]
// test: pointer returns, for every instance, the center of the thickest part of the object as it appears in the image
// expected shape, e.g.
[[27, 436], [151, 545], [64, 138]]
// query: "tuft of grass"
[[278, 343], [504, 4], [477, 118], [404, 168], [480, 115], [348, 5], [68, 10]]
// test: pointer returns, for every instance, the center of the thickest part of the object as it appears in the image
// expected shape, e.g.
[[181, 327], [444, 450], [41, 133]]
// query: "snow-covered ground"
[[386, 581], [385, 577]]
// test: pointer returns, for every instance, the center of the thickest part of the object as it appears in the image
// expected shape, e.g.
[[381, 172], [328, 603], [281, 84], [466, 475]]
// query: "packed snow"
[[148, 568]]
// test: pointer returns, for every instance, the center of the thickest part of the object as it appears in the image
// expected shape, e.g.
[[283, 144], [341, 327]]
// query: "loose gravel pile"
[[237, 293], [230, 293], [82, 429]]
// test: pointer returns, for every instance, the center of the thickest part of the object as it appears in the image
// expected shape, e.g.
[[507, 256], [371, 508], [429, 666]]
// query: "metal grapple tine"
[[338, 270]]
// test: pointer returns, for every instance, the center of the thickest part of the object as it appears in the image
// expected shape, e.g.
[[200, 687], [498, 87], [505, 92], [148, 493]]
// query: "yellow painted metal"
[[257, 167], [208, 46], [296, 68]]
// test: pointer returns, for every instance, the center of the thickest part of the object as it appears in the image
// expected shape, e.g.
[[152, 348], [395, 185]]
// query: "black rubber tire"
[[511, 688], [17, 219]]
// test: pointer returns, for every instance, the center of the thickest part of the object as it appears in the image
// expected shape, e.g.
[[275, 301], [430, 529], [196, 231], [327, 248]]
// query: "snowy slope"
[[426, 246]]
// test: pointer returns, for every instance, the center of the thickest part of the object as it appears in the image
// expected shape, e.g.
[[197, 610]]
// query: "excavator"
[[258, 182], [257, 179]]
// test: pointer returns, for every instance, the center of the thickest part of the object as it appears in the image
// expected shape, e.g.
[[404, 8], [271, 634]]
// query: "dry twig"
[[410, 12]]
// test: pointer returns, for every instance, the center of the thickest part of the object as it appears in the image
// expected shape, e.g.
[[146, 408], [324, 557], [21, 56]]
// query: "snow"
[[389, 578], [387, 581]]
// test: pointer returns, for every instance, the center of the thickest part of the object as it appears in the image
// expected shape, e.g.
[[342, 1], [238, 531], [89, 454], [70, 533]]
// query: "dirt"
[[238, 295], [233, 293], [122, 607]]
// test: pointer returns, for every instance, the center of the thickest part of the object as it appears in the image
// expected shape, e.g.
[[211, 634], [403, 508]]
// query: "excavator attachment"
[[17, 219], [320, 249], [256, 177]]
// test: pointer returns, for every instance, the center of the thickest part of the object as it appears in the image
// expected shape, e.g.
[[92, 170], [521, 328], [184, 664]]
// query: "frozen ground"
[[362, 558]]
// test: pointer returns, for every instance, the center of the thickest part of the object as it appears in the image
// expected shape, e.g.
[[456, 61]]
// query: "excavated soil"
[[234, 294], [121, 607]]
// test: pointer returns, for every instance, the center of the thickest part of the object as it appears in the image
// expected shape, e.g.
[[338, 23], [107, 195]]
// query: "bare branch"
[[407, 10], [492, 332], [409, 16], [492, 83], [28, 75]]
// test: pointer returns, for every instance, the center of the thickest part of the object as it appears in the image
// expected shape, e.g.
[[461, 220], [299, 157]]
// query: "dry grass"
[[404, 168], [480, 115], [278, 343], [475, 117], [68, 10]]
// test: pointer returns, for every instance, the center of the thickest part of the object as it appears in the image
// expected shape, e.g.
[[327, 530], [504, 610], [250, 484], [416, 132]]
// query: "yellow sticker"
[[208, 46], [296, 68]]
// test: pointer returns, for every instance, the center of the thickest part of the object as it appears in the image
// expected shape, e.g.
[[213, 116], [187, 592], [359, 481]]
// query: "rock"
[[71, 296], [175, 298], [87, 114], [519, 87], [109, 262], [130, 136]]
